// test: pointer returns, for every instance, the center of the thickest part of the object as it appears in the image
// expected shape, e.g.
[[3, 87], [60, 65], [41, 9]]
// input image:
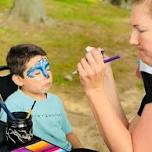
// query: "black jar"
[[19, 131]]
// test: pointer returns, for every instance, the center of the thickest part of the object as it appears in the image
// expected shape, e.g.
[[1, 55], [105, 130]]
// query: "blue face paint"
[[42, 66]]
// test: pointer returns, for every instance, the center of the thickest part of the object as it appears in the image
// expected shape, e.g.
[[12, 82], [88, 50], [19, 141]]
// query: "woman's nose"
[[134, 38]]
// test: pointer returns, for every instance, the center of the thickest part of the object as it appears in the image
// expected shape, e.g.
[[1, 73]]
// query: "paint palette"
[[40, 146]]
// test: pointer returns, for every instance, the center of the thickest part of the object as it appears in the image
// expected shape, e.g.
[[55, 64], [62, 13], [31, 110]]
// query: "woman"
[[118, 133]]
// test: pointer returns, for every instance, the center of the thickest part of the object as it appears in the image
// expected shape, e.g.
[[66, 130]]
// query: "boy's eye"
[[48, 69], [37, 73]]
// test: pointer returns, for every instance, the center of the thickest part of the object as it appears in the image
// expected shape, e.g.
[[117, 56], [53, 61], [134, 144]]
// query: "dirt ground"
[[83, 122]]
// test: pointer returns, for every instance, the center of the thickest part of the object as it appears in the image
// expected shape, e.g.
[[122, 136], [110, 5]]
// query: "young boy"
[[31, 72]]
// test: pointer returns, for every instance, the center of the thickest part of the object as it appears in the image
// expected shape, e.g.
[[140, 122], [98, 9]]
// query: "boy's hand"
[[72, 138]]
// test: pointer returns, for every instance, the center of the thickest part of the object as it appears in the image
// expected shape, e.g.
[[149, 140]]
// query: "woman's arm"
[[111, 91], [141, 135], [92, 72], [116, 133]]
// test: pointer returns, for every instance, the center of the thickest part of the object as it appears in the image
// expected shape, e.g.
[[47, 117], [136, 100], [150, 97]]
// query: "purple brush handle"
[[111, 59], [115, 57]]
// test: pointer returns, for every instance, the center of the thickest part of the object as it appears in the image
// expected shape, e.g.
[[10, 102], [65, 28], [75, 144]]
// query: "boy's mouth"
[[47, 84]]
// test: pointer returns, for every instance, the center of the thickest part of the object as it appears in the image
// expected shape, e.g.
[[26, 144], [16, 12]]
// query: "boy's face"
[[37, 76]]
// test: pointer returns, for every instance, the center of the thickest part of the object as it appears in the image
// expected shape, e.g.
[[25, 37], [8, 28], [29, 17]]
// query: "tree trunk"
[[120, 3], [32, 11]]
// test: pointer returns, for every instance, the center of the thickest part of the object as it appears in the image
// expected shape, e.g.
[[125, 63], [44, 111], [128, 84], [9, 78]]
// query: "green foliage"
[[5, 3], [77, 24], [73, 1], [85, 12]]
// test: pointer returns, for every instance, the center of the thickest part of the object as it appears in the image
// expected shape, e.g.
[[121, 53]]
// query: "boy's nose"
[[134, 38]]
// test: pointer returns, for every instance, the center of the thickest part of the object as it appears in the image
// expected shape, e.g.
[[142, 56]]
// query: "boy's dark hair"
[[19, 55]]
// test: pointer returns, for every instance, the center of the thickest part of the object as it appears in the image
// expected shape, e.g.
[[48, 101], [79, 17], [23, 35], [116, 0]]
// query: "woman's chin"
[[145, 58], [147, 61]]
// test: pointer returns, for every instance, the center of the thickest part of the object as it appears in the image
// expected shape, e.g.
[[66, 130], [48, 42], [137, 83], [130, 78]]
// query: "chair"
[[7, 87]]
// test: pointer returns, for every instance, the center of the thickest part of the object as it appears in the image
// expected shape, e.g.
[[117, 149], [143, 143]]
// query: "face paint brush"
[[30, 111], [3, 106], [113, 58]]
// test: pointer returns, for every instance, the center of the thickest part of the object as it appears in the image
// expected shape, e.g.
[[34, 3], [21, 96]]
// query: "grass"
[[4, 4]]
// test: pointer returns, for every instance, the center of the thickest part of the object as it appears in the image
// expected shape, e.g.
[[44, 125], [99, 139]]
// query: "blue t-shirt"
[[49, 119]]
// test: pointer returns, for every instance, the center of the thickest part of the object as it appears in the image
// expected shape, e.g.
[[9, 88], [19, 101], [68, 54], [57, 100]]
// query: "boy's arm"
[[66, 126], [74, 140]]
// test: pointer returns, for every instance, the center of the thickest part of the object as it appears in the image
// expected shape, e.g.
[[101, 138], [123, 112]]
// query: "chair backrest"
[[7, 86]]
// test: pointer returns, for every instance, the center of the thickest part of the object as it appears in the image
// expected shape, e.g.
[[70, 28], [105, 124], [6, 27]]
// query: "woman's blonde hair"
[[147, 3]]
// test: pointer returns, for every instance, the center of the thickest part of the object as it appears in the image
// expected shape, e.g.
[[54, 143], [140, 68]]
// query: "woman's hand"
[[91, 69]]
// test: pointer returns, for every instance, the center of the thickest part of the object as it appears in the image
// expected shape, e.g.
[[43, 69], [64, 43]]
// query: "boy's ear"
[[17, 80]]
